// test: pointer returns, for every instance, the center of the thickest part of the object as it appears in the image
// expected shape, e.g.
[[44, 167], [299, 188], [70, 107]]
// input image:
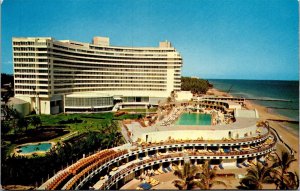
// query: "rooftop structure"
[[47, 72], [183, 96]]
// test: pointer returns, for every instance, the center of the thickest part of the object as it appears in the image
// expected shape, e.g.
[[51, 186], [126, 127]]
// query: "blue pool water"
[[194, 119], [35, 148]]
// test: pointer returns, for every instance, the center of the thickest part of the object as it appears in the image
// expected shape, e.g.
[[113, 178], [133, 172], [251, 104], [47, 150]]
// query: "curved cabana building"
[[157, 148]]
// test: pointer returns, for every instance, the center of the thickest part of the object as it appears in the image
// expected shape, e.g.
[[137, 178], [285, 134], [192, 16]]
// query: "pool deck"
[[240, 123]]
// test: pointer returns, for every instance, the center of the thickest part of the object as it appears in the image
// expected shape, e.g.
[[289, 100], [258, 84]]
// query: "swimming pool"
[[194, 119], [31, 148]]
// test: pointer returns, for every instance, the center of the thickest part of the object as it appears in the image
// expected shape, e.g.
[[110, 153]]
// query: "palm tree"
[[14, 118], [284, 179], [118, 139], [114, 135], [186, 176], [291, 181], [284, 161], [23, 123], [36, 121], [113, 126], [105, 142], [255, 177], [207, 178], [5, 127], [192, 177]]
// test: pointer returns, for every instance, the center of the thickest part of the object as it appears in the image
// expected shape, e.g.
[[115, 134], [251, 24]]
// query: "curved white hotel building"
[[66, 76]]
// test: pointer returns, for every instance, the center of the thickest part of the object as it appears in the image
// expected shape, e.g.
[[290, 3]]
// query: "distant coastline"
[[289, 134], [264, 114], [266, 89]]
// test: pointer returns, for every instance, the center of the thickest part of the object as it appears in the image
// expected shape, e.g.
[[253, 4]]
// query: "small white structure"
[[239, 113], [183, 96], [233, 105]]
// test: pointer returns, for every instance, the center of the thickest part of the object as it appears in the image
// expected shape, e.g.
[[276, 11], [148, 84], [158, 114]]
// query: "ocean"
[[267, 89]]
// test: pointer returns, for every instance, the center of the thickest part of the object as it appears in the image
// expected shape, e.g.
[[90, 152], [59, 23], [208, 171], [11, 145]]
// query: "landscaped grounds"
[[73, 135]]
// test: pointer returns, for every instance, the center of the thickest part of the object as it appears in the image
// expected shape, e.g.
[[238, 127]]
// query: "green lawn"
[[91, 122]]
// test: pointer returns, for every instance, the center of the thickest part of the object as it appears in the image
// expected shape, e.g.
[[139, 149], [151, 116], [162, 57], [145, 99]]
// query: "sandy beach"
[[290, 136]]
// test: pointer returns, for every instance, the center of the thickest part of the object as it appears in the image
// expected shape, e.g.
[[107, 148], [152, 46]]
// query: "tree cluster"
[[278, 173], [195, 85], [192, 177], [12, 120], [29, 171]]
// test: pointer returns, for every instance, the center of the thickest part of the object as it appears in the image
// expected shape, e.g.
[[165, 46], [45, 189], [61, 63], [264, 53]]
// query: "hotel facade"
[[66, 76]]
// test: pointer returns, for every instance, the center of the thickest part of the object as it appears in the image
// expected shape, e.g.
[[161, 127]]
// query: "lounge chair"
[[160, 171], [239, 165], [226, 150], [221, 166], [245, 164], [169, 169], [164, 170], [262, 161], [156, 172]]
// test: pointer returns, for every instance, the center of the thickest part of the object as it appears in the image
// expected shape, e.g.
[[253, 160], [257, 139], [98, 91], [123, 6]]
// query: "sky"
[[218, 39]]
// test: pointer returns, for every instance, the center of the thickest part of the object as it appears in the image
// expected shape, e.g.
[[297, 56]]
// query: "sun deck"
[[238, 129]]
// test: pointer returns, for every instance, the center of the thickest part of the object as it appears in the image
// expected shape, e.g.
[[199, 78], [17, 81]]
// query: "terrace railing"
[[231, 141], [107, 184], [83, 167], [106, 157]]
